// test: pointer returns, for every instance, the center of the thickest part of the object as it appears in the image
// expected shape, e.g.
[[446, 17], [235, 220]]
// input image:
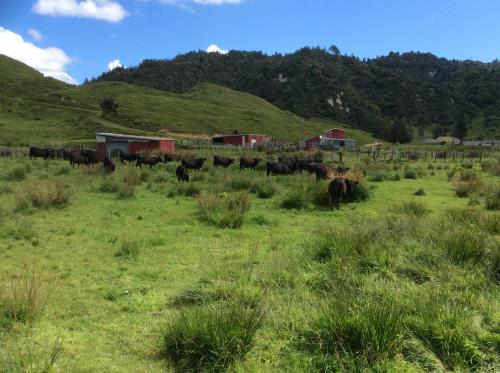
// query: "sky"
[[72, 40]]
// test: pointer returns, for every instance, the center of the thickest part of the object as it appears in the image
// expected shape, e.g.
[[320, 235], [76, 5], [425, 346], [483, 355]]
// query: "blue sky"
[[77, 39]]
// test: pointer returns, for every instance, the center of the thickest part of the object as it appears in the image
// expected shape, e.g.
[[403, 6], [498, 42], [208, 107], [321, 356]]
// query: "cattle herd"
[[339, 187]]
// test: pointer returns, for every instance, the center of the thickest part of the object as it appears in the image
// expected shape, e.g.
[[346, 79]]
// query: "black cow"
[[91, 156], [341, 188], [182, 174], [278, 168], [127, 157], [193, 163], [319, 169], [170, 157], [109, 165], [151, 161], [222, 161], [248, 162], [76, 158], [36, 152]]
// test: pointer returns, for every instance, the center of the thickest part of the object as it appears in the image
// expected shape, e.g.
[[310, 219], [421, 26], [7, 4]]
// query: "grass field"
[[133, 272]]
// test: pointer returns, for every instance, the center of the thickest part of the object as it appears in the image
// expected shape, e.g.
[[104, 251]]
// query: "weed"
[[226, 210]]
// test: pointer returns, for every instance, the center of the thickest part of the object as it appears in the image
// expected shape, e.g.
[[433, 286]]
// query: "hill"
[[33, 107], [393, 96]]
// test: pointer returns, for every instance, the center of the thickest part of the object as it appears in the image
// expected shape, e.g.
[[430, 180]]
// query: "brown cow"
[[222, 161], [248, 162]]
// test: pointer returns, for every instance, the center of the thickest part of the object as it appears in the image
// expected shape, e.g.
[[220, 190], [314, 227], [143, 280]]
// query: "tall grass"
[[44, 195], [212, 337], [354, 335], [26, 295], [225, 210]]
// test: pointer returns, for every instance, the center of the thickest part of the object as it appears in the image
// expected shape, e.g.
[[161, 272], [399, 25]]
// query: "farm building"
[[239, 139], [108, 143], [332, 139]]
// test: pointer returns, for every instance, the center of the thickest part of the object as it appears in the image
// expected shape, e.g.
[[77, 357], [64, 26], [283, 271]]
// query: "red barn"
[[108, 143], [239, 139], [335, 133]]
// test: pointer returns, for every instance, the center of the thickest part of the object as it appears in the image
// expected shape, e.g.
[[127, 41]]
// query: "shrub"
[[44, 195], [212, 337], [296, 199], [355, 335], [420, 192], [109, 185], [226, 210], [17, 173], [263, 189], [377, 177], [361, 193], [240, 183], [129, 249], [409, 173], [126, 191], [131, 177], [26, 295]]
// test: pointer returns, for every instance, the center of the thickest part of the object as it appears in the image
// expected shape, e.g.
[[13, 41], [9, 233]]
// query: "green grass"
[[40, 110], [396, 282]]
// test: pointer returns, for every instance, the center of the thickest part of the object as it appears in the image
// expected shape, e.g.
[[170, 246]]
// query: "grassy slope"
[[34, 108], [109, 312]]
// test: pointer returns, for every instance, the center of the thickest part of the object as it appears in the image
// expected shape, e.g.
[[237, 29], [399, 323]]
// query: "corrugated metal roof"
[[123, 136], [239, 134]]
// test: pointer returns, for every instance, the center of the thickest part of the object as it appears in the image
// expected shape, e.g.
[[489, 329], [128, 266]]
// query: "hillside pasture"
[[135, 272]]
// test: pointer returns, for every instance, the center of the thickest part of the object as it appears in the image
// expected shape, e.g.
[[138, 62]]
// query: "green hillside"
[[34, 108]]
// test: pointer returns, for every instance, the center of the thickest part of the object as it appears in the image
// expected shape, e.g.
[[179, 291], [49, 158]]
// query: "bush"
[[361, 193], [377, 177], [226, 210], [354, 335], [17, 173], [420, 192], [212, 337], [126, 191], [296, 199], [26, 295], [409, 173], [263, 189], [240, 183], [109, 185], [43, 195]]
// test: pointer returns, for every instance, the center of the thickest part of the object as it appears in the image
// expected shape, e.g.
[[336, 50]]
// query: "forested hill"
[[391, 96]]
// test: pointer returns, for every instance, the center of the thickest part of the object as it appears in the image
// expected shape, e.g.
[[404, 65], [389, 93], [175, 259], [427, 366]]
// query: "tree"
[[334, 50], [109, 107]]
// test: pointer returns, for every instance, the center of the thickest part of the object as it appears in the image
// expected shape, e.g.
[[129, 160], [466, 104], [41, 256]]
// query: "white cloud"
[[114, 64], [215, 49], [35, 34], [49, 61], [105, 10]]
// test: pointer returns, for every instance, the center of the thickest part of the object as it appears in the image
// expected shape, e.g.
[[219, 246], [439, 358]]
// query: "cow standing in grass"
[[151, 161], [127, 157], [278, 168], [341, 188], [222, 161], [109, 165], [182, 174], [76, 157], [193, 163], [320, 170], [249, 162], [169, 157]]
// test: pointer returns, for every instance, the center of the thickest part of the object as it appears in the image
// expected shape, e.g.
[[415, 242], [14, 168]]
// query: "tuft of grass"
[[368, 332], [129, 249], [297, 198], [126, 191], [420, 192], [263, 189], [409, 173], [109, 185], [464, 244], [63, 170], [17, 173], [240, 183], [466, 181], [26, 295], [212, 337], [412, 208], [225, 210], [43, 195]]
